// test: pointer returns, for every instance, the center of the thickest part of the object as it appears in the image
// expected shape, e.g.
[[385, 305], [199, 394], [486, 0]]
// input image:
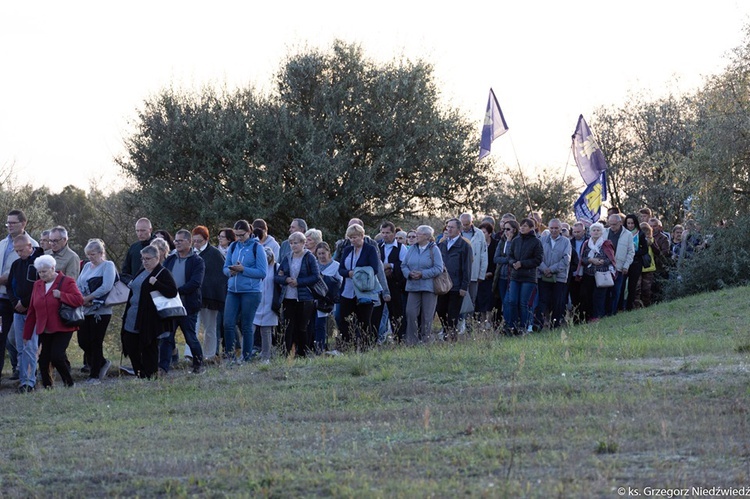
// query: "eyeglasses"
[[147, 258], [240, 234], [9, 223], [411, 236], [508, 229], [180, 241], [55, 241]]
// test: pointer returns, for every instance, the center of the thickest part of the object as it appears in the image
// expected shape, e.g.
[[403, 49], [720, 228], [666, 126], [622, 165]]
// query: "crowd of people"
[[513, 276]]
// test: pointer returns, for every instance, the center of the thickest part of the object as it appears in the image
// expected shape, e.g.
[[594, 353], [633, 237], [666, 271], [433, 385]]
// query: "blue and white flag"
[[588, 156], [589, 204], [494, 125]]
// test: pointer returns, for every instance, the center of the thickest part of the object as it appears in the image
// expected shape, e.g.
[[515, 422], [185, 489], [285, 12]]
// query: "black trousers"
[[395, 315], [448, 310], [297, 315], [91, 340], [52, 354], [145, 357], [357, 316]]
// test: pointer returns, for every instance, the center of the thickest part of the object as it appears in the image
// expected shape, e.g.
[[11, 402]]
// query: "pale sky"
[[74, 73]]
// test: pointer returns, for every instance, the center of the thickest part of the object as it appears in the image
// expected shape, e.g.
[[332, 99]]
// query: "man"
[[44, 241], [213, 289], [479, 253], [132, 264], [20, 285], [622, 240], [392, 253], [553, 277], [662, 255], [456, 253], [644, 215], [188, 270], [67, 260], [16, 224], [297, 225], [575, 277]]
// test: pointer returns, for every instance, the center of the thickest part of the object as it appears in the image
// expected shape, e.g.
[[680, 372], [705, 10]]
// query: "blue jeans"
[[613, 294], [166, 345], [519, 303], [243, 305], [321, 333], [27, 353]]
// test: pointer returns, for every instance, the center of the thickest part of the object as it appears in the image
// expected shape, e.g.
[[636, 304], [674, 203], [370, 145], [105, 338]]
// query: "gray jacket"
[[556, 259], [429, 262]]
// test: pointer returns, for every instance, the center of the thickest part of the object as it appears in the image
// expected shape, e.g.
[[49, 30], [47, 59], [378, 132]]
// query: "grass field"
[[654, 398]]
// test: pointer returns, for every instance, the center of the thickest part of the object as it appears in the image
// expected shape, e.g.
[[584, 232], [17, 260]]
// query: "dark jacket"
[[147, 320], [21, 280], [132, 264], [396, 281], [527, 249], [457, 261], [367, 258], [308, 275], [640, 250], [214, 288], [190, 292]]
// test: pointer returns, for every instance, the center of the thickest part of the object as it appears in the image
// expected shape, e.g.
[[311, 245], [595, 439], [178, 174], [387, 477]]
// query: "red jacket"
[[44, 308]]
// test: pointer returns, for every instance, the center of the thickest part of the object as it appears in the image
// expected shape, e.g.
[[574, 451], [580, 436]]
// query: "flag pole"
[[523, 180], [567, 162]]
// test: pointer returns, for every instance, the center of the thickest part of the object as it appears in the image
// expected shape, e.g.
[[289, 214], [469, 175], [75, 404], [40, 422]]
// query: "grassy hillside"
[[652, 398]]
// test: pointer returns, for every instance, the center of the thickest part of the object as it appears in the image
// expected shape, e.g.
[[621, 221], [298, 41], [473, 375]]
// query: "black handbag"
[[646, 259], [70, 316]]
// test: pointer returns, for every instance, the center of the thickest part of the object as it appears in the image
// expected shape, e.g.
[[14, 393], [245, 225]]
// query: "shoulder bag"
[[604, 279], [70, 316], [168, 308], [441, 283]]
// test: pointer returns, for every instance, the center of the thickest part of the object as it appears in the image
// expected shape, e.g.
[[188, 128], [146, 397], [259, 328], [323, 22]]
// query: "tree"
[[341, 136], [647, 143], [550, 194], [24, 197]]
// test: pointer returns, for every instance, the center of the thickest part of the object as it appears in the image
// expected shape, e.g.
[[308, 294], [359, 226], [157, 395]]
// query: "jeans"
[[27, 354], [243, 305], [166, 345], [552, 298], [519, 303], [613, 294], [321, 333]]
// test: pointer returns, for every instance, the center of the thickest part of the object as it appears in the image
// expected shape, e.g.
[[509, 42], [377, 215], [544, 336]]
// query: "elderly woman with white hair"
[[313, 237], [43, 318], [422, 263], [597, 255]]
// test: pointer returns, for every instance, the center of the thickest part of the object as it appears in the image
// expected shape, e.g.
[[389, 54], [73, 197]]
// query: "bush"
[[724, 262]]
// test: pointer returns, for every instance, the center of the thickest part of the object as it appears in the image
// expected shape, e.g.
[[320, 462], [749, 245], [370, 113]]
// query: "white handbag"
[[604, 279]]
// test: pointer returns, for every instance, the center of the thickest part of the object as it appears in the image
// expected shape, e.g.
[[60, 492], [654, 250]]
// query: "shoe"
[[163, 373], [25, 389], [85, 369], [93, 381], [16, 375], [105, 369], [198, 370], [127, 370], [265, 362]]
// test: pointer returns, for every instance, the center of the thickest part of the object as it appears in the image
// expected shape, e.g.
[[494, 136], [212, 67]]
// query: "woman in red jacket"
[[43, 318]]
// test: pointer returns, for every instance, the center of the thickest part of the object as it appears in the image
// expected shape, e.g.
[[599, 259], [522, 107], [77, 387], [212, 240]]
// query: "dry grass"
[[657, 397]]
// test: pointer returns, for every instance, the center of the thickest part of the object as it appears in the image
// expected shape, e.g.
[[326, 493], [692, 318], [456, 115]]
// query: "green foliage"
[[549, 194], [32, 201], [723, 263], [342, 136]]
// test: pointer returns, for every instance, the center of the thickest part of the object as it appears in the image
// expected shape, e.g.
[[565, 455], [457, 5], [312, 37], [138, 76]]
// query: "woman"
[[141, 324], [485, 295], [166, 236], [329, 270], [297, 272], [357, 301], [501, 255], [246, 268], [226, 237], [411, 238], [422, 263], [647, 276], [163, 246], [313, 237], [523, 259], [597, 256], [401, 237], [43, 318], [265, 318], [634, 271], [95, 282]]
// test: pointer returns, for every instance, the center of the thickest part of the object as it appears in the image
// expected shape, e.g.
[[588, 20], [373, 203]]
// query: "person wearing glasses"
[[245, 266], [422, 263], [16, 224], [411, 238], [187, 269], [502, 258], [141, 324]]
